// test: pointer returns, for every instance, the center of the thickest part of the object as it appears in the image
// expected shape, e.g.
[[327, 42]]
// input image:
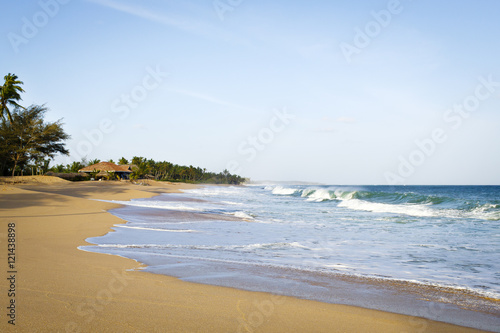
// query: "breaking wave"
[[407, 203]]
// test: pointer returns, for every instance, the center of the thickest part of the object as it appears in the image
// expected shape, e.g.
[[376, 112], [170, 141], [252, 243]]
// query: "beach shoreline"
[[59, 288], [147, 219]]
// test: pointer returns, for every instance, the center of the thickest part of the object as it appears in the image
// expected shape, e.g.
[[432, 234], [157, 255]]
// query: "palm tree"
[[122, 161], [141, 170], [9, 94], [94, 161]]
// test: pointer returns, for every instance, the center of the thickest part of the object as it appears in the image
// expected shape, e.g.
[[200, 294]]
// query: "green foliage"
[[26, 138], [58, 168], [36, 167], [110, 175], [75, 166], [167, 171], [141, 170], [9, 95], [94, 161], [122, 161], [138, 160], [71, 168]]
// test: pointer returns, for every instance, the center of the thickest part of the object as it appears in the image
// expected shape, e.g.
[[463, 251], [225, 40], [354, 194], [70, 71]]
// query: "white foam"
[[232, 203], [155, 229], [320, 195], [486, 212], [412, 210], [269, 246], [213, 190], [243, 215], [248, 247], [344, 195], [279, 190], [158, 204]]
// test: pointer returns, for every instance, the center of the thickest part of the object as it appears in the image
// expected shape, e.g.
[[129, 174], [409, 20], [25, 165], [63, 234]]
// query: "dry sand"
[[59, 288]]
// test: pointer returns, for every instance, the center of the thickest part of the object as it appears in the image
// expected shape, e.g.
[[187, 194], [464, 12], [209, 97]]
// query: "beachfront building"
[[107, 170]]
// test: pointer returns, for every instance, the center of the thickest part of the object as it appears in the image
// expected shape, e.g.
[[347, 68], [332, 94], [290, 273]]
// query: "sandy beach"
[[57, 288]]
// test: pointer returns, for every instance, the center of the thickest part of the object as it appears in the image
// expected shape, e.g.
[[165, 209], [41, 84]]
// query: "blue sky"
[[337, 92]]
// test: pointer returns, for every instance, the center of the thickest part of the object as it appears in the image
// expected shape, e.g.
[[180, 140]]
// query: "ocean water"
[[380, 247]]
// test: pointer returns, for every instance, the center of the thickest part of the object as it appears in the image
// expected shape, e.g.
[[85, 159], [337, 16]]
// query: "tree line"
[[159, 170], [28, 144]]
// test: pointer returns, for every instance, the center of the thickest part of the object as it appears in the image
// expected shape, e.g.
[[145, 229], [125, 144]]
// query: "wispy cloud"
[[196, 27], [145, 14], [210, 99]]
